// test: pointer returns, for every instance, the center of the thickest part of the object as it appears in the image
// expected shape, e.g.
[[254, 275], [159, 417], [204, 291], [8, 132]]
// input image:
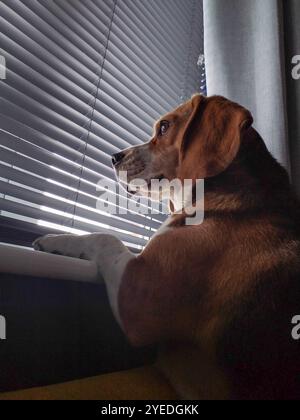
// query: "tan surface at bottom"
[[137, 384]]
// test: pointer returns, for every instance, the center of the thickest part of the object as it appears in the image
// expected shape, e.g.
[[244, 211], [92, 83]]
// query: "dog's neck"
[[182, 200]]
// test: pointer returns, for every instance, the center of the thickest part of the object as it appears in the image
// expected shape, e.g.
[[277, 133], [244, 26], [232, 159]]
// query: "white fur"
[[109, 253]]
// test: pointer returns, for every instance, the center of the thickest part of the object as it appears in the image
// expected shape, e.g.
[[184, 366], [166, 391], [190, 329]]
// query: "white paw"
[[68, 245]]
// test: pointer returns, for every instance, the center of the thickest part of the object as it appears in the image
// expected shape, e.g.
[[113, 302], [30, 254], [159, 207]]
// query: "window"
[[83, 80]]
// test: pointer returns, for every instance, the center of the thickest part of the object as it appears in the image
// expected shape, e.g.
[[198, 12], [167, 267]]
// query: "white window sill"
[[27, 262]]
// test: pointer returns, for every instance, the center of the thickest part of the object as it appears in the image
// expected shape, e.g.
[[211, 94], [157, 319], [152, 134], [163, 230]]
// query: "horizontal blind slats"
[[73, 70], [151, 18], [9, 46], [52, 166], [66, 141], [42, 156], [127, 84], [47, 215], [68, 86], [25, 156], [157, 48], [63, 156], [140, 53], [58, 126], [46, 199], [175, 19], [50, 94], [80, 14], [61, 18], [44, 21], [70, 193], [143, 67], [28, 224], [60, 123]]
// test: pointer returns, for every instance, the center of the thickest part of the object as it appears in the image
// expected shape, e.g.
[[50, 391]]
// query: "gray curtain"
[[249, 47], [292, 48]]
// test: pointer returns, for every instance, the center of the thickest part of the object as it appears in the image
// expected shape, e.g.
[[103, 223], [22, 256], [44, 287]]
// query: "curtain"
[[292, 51], [249, 47]]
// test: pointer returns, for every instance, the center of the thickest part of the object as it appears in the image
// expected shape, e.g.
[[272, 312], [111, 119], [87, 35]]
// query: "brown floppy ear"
[[212, 137]]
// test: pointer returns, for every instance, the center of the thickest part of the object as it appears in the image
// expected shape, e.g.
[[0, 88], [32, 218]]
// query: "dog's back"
[[257, 349], [244, 341]]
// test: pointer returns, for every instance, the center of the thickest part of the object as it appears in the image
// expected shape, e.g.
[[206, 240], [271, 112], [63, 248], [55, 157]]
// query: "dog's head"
[[197, 140]]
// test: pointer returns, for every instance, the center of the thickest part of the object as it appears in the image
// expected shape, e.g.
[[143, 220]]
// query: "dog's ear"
[[212, 136]]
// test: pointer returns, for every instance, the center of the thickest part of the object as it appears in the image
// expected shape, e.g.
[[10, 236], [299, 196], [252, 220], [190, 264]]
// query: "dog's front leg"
[[108, 252]]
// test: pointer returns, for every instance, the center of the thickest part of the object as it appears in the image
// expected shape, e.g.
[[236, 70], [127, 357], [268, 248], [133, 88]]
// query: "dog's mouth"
[[135, 191]]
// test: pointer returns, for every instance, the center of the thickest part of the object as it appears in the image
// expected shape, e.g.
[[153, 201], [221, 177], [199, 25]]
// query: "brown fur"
[[219, 297]]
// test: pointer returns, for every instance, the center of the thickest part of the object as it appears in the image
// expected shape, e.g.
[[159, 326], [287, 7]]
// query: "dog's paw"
[[68, 245]]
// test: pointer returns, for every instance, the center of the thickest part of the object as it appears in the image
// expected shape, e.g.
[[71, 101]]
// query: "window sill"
[[27, 262]]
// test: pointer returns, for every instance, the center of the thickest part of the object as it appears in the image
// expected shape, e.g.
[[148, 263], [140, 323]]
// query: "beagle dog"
[[217, 297]]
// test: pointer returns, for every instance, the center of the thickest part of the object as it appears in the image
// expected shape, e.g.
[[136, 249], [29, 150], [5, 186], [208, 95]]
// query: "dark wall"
[[59, 331]]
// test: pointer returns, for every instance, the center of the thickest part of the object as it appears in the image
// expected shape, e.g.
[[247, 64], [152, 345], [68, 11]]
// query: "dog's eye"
[[164, 126]]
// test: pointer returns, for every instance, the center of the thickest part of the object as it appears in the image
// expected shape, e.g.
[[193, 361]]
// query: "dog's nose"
[[117, 157]]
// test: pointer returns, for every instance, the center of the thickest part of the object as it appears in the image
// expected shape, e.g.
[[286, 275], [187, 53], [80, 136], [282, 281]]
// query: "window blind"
[[85, 79]]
